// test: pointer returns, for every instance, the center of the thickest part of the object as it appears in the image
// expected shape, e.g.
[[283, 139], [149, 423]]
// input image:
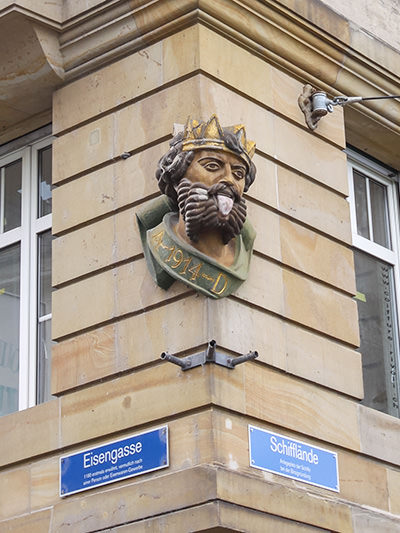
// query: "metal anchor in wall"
[[210, 355]]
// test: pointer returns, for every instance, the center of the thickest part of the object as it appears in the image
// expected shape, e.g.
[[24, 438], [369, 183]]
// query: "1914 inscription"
[[185, 265]]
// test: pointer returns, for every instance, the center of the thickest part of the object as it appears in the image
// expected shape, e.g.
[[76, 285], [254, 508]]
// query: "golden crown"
[[210, 135]]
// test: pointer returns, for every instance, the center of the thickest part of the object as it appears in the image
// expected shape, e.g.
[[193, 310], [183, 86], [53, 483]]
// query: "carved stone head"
[[197, 231], [205, 173]]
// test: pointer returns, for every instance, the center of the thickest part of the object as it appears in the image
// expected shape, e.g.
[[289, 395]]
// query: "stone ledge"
[[209, 497], [213, 517], [31, 68], [29, 523], [324, 28], [199, 486], [219, 517], [48, 13]]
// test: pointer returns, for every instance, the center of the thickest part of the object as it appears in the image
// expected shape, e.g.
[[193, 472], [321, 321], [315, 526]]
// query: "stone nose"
[[228, 176]]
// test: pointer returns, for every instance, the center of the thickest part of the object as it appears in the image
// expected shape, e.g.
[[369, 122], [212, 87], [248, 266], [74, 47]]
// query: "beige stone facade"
[[113, 77]]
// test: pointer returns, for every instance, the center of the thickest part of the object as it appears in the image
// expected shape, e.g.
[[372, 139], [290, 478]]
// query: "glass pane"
[[360, 193], [44, 327], [44, 174], [9, 328], [44, 362], [378, 332], [44, 277], [12, 195], [380, 223]]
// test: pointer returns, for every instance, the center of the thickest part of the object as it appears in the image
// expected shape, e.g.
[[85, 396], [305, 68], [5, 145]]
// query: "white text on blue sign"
[[292, 458], [114, 461]]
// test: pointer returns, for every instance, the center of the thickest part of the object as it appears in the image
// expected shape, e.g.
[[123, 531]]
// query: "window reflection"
[[371, 209], [379, 213], [44, 318], [44, 181], [9, 328], [10, 196], [378, 332], [360, 192]]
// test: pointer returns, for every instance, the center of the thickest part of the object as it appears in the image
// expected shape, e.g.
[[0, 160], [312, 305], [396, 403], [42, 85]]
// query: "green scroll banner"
[[169, 258]]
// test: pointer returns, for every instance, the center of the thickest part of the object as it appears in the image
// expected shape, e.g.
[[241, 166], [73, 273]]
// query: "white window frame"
[[390, 180], [387, 178], [27, 235]]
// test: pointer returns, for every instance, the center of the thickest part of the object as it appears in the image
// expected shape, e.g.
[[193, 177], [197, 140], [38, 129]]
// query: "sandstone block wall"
[[111, 322]]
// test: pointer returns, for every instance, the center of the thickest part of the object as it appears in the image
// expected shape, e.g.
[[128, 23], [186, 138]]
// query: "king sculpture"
[[197, 231]]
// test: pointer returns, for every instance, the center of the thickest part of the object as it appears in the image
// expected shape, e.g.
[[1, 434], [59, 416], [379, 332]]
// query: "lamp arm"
[[343, 100]]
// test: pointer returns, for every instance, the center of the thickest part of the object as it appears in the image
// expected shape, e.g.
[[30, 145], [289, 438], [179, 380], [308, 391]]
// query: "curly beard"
[[208, 208]]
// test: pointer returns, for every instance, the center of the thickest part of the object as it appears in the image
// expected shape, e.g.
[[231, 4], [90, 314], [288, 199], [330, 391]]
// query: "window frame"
[[27, 236], [390, 179]]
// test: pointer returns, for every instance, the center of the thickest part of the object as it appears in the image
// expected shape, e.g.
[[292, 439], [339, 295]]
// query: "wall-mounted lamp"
[[315, 104]]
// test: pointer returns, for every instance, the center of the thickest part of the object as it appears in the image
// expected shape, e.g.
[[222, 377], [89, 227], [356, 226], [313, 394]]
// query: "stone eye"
[[212, 166], [239, 174]]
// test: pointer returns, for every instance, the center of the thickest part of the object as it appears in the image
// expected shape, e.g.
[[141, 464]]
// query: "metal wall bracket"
[[316, 104], [210, 355]]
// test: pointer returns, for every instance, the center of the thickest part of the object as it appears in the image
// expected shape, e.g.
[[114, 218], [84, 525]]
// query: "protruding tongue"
[[225, 204]]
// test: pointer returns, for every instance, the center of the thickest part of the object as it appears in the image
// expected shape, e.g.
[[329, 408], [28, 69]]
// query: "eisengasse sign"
[[293, 458], [113, 461]]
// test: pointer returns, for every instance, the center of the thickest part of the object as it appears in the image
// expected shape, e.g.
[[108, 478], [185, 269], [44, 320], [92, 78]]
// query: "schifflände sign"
[[113, 461], [292, 458]]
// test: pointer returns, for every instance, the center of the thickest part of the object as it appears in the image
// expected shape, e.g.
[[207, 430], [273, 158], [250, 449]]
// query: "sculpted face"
[[214, 166], [210, 195]]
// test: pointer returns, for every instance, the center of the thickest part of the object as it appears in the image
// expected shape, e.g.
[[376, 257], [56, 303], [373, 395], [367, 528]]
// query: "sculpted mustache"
[[224, 188], [189, 198]]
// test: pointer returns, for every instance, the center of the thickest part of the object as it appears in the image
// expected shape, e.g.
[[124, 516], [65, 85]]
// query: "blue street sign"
[[113, 461], [292, 458]]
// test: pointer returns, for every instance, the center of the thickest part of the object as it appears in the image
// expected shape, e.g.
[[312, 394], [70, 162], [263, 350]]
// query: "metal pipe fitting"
[[233, 361], [210, 351], [321, 105], [209, 355], [176, 360]]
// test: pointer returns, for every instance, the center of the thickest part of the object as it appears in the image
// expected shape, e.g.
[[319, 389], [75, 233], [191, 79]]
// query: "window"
[[374, 202], [25, 275]]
